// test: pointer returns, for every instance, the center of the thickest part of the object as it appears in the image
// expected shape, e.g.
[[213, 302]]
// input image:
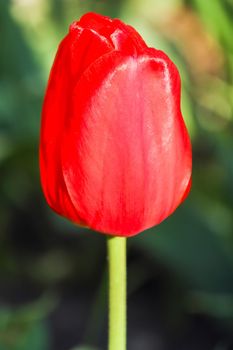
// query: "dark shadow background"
[[180, 274]]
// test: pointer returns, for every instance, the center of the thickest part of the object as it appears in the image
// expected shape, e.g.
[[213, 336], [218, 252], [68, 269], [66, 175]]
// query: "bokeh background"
[[53, 281]]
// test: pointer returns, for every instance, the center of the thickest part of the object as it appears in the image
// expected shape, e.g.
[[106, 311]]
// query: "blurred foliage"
[[24, 328], [192, 249]]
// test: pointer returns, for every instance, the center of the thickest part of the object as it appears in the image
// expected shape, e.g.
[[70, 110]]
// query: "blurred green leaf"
[[24, 328], [217, 18], [187, 246], [217, 305]]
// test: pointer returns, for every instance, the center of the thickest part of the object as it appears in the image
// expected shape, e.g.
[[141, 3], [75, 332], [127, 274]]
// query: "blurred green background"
[[53, 290]]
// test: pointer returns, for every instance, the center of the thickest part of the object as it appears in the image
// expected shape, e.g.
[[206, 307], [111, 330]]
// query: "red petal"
[[85, 48], [76, 52], [54, 110], [95, 21], [98, 23], [126, 39], [126, 153], [122, 36]]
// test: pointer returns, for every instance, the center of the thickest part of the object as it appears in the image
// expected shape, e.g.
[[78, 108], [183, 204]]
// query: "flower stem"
[[117, 293]]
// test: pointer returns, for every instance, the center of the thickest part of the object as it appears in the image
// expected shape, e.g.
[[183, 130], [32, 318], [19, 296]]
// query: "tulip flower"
[[115, 154]]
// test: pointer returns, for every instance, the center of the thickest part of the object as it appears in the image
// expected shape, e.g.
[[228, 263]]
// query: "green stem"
[[117, 293]]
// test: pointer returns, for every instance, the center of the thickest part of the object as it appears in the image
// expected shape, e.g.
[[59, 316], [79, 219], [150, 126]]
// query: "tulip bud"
[[115, 154]]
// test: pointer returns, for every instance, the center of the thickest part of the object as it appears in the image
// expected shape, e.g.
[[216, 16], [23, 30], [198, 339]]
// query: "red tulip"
[[115, 154]]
